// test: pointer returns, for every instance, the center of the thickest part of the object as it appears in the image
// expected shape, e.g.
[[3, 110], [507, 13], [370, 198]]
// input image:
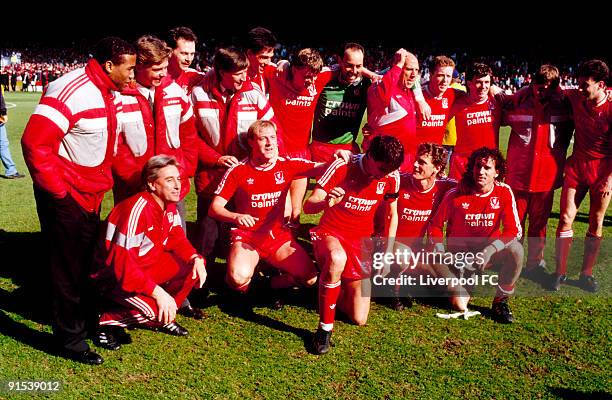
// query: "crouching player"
[[419, 196], [260, 184], [149, 265], [481, 218], [349, 194]]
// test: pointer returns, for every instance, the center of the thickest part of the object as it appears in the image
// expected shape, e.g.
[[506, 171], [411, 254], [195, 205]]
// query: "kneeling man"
[[259, 184], [149, 265], [481, 218], [349, 194]]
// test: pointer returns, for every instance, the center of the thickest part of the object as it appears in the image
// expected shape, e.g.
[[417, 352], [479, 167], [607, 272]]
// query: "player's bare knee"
[[515, 249], [337, 259], [238, 277], [360, 320]]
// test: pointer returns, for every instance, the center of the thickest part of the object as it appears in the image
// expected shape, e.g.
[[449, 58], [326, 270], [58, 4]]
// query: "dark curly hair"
[[439, 155], [480, 154], [387, 149]]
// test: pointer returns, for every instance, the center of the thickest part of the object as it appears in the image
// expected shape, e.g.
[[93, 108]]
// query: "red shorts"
[[265, 242], [305, 154], [324, 152], [585, 172], [458, 165], [358, 254]]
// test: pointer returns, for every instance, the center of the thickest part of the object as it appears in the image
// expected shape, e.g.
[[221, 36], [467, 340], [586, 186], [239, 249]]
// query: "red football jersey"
[[415, 206], [432, 130], [353, 217], [260, 192], [294, 109], [491, 215], [477, 126], [592, 137]]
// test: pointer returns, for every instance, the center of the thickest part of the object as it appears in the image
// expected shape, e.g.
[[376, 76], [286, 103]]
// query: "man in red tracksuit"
[[149, 265], [182, 40], [225, 105], [68, 146], [157, 118], [541, 129]]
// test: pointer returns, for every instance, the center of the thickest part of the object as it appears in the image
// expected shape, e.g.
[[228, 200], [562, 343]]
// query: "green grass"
[[559, 347]]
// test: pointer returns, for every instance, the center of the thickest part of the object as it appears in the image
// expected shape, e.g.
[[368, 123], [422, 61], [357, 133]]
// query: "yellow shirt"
[[450, 134]]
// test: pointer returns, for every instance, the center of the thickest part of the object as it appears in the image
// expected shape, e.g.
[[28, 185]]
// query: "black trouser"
[[70, 234]]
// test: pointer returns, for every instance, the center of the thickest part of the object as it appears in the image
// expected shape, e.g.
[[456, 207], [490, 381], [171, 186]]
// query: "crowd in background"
[[40, 65]]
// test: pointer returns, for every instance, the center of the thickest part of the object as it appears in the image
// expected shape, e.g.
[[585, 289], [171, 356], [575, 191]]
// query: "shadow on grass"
[[570, 394], [25, 268], [42, 341]]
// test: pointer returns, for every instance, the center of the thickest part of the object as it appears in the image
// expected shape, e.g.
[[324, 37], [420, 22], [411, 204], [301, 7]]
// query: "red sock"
[[562, 249], [592, 244], [328, 297], [503, 292]]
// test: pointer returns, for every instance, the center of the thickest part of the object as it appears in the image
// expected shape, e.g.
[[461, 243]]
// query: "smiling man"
[[183, 41], [260, 44], [149, 265], [68, 146], [157, 118], [341, 106], [259, 185]]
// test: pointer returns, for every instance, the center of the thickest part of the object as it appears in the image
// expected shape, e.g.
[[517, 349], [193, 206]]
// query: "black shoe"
[[173, 328], [556, 280], [502, 313], [396, 304], [536, 274], [321, 341], [191, 312], [85, 357], [588, 283], [105, 338], [16, 175]]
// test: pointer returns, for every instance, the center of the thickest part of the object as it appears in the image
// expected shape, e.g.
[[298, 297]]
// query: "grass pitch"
[[558, 348]]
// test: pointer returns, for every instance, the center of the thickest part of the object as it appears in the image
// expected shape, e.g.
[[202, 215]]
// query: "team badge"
[[465, 205], [170, 218], [380, 187], [279, 177], [444, 102], [495, 203], [250, 181]]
